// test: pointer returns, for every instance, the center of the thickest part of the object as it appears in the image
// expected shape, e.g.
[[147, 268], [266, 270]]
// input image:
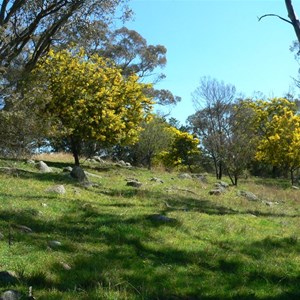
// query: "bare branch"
[[274, 15]]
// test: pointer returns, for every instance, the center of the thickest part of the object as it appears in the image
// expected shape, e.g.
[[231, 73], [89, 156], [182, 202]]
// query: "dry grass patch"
[[55, 157]]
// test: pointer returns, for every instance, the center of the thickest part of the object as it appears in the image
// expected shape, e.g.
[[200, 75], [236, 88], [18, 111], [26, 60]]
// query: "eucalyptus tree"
[[128, 49], [28, 28], [213, 100]]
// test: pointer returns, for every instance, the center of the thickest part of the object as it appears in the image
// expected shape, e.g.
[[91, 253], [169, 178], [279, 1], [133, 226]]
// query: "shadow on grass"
[[119, 253]]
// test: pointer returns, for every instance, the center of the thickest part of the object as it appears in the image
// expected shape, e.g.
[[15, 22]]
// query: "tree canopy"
[[279, 127], [89, 99], [28, 28]]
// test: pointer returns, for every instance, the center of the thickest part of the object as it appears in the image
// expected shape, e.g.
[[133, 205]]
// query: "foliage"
[[20, 136], [28, 28], [90, 99], [183, 149], [153, 139], [240, 140], [128, 49], [279, 126]]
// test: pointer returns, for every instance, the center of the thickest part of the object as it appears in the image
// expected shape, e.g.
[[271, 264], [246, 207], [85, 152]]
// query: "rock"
[[185, 176], [216, 192], [10, 295], [121, 163], [270, 203], [223, 184], [91, 160], [54, 244], [56, 189], [23, 228], [134, 183], [67, 169], [78, 174], [88, 184], [92, 175], [200, 177], [295, 187], [162, 218], [43, 167], [8, 277], [248, 195], [65, 266], [156, 179], [98, 159], [30, 162]]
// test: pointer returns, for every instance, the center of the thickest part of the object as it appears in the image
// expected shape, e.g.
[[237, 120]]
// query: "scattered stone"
[[54, 244], [8, 277], [56, 189], [218, 186], [134, 183], [43, 167], [248, 195], [10, 295], [121, 163], [200, 177], [216, 192], [270, 203], [65, 266], [162, 218], [295, 187], [185, 176], [98, 159], [23, 228], [156, 179], [67, 169], [131, 179], [92, 175], [91, 160], [30, 162], [78, 174], [44, 204], [88, 184], [223, 184]]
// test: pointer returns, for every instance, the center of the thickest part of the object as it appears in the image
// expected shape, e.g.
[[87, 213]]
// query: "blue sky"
[[221, 39]]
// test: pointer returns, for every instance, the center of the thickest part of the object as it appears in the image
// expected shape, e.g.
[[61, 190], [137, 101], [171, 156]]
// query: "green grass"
[[220, 247]]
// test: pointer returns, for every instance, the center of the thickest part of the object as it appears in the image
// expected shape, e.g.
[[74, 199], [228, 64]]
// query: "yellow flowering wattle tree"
[[89, 100], [279, 127], [182, 150]]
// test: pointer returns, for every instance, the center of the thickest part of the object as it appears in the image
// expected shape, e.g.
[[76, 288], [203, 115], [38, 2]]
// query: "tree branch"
[[274, 15]]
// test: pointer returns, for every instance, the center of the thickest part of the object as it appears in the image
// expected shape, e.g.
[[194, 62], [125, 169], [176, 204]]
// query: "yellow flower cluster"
[[91, 99]]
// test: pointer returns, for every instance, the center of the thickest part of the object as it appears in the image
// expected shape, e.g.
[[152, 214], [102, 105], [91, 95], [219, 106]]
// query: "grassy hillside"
[[110, 241]]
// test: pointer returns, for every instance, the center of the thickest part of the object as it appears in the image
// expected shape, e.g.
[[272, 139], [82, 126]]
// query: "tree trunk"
[[75, 150], [216, 168], [292, 176], [220, 170], [293, 17], [235, 180]]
